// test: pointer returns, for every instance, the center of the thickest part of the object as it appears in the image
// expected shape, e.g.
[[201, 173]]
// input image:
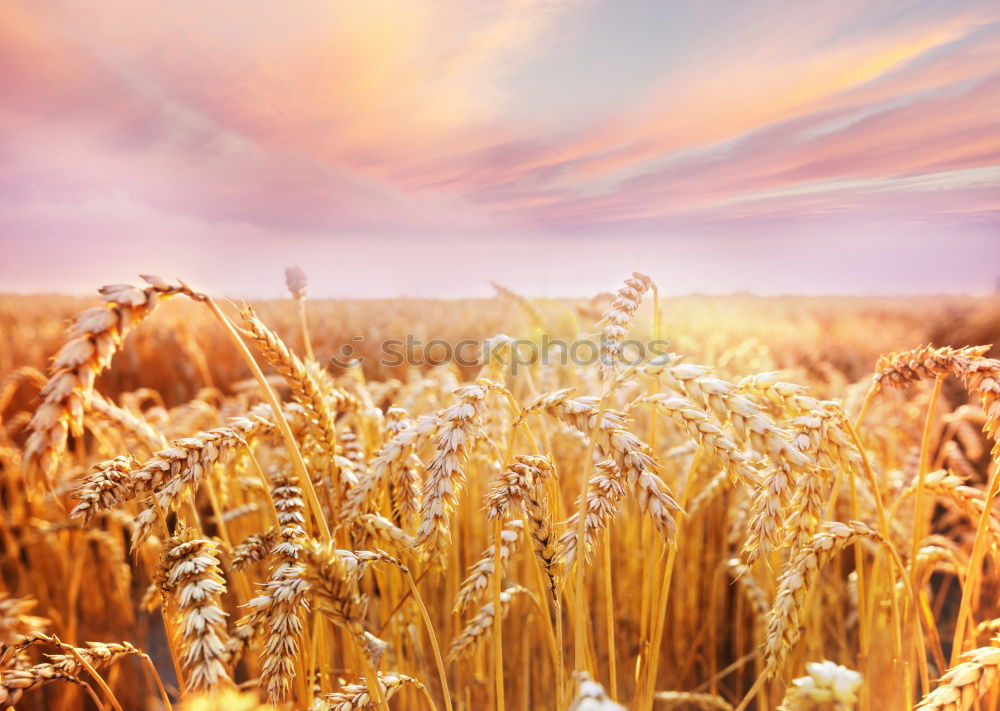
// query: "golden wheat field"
[[335, 505]]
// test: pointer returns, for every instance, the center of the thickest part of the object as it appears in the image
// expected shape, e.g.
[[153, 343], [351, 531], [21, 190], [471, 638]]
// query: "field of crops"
[[783, 502]]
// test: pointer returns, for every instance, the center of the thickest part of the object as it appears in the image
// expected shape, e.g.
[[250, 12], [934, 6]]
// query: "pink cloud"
[[328, 121]]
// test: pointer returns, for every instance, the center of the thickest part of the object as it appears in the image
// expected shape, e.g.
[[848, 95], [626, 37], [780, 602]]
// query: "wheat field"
[[787, 503]]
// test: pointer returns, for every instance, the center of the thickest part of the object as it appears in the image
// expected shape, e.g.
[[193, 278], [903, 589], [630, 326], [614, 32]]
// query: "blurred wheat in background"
[[792, 505]]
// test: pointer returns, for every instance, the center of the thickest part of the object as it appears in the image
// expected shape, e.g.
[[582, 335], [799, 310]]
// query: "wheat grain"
[[179, 470], [924, 362], [715, 487], [702, 429], [979, 374], [277, 612], [96, 654], [305, 387], [759, 599], [352, 448], [125, 421], [969, 500], [17, 677], [369, 529], [105, 488], [936, 558], [111, 552], [525, 304], [405, 490], [512, 488], [295, 280], [750, 424]]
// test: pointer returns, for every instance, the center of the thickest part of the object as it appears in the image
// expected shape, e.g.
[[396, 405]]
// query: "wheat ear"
[[826, 685], [617, 321], [94, 337], [357, 697], [459, 429], [477, 582], [478, 629], [800, 575], [966, 682], [190, 571]]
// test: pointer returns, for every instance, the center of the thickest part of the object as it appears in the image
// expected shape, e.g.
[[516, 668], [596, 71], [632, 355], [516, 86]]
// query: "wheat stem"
[[975, 566]]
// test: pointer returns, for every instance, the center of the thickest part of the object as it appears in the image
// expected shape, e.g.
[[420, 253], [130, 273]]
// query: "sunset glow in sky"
[[424, 148]]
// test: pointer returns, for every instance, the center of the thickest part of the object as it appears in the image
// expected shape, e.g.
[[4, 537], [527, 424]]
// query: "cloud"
[[317, 122]]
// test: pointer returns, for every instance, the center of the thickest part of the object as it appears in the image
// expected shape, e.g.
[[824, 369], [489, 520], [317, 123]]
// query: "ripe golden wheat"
[[770, 516]]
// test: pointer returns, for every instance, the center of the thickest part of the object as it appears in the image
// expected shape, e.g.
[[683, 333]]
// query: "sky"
[[425, 148]]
